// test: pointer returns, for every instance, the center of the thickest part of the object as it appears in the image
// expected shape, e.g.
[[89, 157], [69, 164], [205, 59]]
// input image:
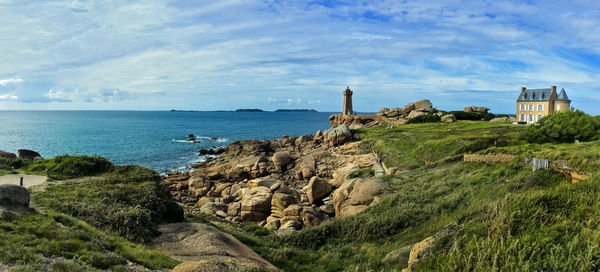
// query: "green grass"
[[420, 203], [60, 167], [28, 241], [510, 218], [418, 145], [554, 229], [583, 156], [130, 201]]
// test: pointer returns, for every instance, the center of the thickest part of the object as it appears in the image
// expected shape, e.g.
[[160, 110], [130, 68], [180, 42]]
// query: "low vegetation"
[[418, 145], [60, 167], [54, 241], [129, 200], [473, 116]]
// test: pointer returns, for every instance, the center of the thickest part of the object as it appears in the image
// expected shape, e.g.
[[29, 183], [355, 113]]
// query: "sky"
[[229, 54]]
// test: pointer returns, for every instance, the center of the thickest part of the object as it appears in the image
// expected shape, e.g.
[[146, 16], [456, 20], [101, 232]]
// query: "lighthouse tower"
[[347, 102]]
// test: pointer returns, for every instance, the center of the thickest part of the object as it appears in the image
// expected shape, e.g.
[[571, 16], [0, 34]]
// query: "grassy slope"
[[511, 218], [412, 146], [29, 242], [125, 202]]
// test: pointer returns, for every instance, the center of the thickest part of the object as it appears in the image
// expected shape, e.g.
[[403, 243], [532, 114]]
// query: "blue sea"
[[155, 139]]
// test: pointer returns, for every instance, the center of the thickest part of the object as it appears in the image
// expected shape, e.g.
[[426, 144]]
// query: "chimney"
[[523, 89], [553, 89]]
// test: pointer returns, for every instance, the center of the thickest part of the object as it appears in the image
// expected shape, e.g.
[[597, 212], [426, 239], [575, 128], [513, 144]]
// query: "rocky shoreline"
[[283, 184]]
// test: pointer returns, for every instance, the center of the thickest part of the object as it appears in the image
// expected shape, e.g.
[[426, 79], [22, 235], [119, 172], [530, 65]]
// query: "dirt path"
[[28, 180]]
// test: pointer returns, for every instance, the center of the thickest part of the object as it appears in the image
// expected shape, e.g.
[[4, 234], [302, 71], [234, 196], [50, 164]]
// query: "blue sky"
[[228, 54]]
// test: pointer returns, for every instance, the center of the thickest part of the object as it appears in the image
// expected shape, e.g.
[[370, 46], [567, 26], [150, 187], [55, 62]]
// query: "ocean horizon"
[[154, 139]]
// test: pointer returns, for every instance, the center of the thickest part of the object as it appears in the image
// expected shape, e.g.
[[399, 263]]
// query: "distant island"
[[295, 110], [248, 110]]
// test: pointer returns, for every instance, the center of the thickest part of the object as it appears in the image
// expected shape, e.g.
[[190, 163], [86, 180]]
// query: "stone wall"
[[489, 158]]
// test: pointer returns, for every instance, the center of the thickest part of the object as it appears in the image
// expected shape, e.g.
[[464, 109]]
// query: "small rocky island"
[[249, 110], [296, 110]]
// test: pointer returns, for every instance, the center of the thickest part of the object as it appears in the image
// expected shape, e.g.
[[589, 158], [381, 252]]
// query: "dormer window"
[[525, 96], [533, 96], [543, 94]]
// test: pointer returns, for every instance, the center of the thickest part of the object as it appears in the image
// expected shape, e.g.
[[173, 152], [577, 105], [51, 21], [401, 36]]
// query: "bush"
[[130, 201], [67, 167], [563, 127], [427, 118], [461, 115]]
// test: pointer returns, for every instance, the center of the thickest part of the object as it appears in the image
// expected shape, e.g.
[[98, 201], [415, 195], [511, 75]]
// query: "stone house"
[[532, 104]]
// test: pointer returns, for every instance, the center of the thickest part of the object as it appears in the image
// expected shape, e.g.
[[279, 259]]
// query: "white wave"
[[180, 141], [214, 139]]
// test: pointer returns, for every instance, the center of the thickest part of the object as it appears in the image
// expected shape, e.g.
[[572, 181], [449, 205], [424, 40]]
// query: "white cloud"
[[8, 81], [238, 53], [58, 95], [8, 97]]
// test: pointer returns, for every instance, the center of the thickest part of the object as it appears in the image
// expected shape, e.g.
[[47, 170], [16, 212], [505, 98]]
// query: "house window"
[[522, 107], [557, 107], [538, 118], [522, 118], [530, 118], [540, 107], [530, 107]]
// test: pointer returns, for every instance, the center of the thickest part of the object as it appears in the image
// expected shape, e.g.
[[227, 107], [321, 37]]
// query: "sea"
[[154, 139]]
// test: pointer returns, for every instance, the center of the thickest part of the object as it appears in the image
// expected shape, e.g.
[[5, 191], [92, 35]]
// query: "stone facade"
[[532, 104], [348, 102]]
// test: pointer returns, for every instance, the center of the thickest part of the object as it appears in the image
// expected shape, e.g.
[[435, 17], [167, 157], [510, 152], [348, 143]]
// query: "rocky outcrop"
[[14, 194], [357, 121], [211, 151], [28, 154], [283, 185], [317, 189], [7, 155], [476, 109], [448, 118], [422, 250], [409, 111], [338, 135], [204, 248], [356, 195], [506, 119], [256, 204], [14, 198]]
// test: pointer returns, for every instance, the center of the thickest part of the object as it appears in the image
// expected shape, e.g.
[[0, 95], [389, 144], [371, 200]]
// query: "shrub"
[[461, 115], [426, 118], [130, 201], [67, 167], [563, 127]]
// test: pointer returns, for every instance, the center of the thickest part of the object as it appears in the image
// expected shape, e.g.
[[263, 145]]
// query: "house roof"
[[535, 95], [562, 96]]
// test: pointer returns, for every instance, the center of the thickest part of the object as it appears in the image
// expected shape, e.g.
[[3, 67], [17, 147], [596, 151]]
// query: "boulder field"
[[284, 184]]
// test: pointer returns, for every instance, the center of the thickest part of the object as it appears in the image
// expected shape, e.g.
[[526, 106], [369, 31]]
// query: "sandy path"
[[28, 180]]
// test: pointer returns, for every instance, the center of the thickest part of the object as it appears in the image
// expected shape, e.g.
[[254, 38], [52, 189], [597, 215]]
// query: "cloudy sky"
[[228, 54]]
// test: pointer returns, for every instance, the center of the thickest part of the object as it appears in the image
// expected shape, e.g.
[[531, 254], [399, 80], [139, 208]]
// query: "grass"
[[58, 168], [422, 145], [510, 218], [129, 200], [421, 203], [555, 229], [584, 156], [30, 241]]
